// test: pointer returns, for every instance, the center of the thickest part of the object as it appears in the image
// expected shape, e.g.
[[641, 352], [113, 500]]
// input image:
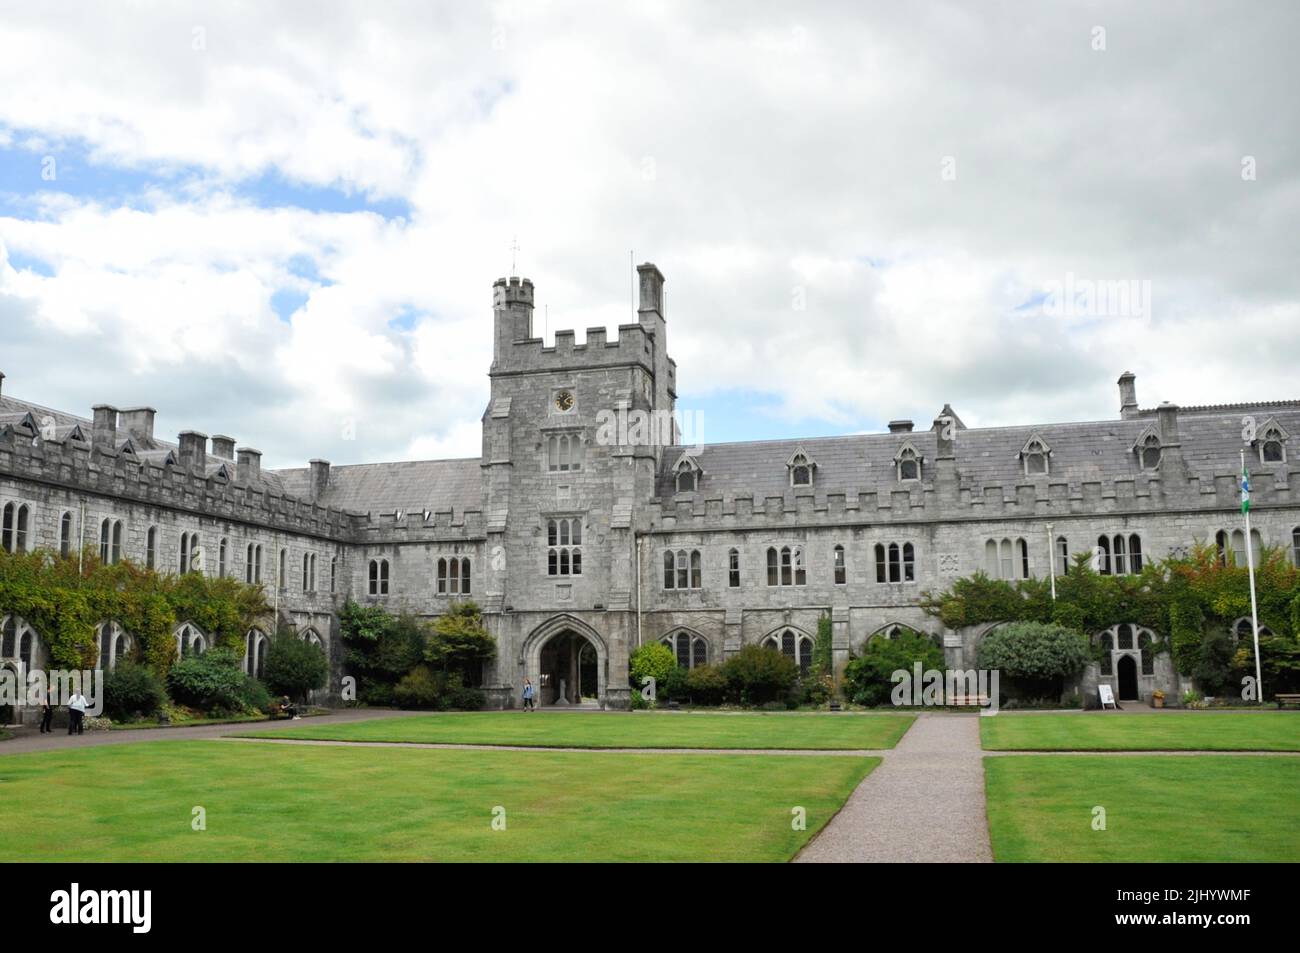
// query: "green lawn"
[[1182, 809], [301, 803], [1171, 731], [632, 730]]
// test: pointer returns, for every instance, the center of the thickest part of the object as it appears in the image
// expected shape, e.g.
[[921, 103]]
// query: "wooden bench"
[[1284, 699], [974, 701]]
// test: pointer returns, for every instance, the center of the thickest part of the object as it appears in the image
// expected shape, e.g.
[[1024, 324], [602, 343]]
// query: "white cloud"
[[755, 154]]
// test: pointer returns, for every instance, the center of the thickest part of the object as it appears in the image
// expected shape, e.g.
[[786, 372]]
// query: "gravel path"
[[924, 803]]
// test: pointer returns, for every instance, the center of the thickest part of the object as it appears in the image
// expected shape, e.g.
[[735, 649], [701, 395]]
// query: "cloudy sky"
[[270, 222]]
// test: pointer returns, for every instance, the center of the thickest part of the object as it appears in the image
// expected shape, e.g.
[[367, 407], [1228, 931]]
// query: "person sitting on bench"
[[288, 707]]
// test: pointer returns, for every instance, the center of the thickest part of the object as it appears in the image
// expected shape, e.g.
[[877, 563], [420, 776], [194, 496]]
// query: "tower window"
[[564, 547]]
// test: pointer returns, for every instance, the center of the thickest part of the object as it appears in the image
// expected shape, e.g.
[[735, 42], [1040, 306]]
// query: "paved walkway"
[[29, 738], [925, 802]]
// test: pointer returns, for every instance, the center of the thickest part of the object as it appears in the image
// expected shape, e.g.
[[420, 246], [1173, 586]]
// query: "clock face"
[[564, 401]]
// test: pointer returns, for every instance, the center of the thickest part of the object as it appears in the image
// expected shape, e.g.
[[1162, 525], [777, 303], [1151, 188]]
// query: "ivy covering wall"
[[1191, 603], [65, 602]]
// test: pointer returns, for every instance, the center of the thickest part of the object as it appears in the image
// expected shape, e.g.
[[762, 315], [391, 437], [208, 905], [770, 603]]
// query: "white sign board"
[[1106, 695]]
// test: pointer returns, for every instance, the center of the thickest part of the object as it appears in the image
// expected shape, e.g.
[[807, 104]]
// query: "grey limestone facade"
[[586, 528]]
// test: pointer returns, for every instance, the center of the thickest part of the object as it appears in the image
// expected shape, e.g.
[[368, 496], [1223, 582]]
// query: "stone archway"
[[567, 662]]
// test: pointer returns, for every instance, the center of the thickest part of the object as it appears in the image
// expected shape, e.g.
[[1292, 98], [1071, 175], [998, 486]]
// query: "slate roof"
[[382, 488], [1081, 452]]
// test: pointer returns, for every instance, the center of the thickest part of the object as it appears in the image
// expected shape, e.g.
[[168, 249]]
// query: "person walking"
[[47, 714], [529, 704], [77, 713]]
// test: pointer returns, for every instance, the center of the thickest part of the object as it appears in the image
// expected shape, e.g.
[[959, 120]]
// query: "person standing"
[[77, 712], [529, 704], [47, 714]]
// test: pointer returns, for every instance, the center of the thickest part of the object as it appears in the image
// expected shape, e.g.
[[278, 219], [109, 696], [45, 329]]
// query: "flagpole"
[[1250, 565], [1051, 560]]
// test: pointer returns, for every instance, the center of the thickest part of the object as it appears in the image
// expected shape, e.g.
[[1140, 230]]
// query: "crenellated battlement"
[[211, 493], [632, 346], [928, 503]]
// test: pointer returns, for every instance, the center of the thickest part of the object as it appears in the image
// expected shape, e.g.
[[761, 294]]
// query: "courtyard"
[[658, 787]]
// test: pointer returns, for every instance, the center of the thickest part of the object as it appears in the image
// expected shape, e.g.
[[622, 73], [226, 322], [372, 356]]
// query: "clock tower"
[[564, 493]]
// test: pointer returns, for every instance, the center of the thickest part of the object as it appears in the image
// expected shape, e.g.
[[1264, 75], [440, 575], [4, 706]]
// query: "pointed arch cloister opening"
[[568, 663]]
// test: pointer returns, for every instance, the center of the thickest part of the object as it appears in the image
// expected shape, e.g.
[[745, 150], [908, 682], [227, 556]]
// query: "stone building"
[[586, 528]]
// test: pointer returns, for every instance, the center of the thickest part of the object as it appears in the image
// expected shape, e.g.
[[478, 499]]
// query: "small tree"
[[652, 660], [380, 649], [294, 666], [1036, 655], [868, 680], [460, 643]]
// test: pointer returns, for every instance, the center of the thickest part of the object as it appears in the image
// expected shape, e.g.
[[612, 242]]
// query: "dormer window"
[[908, 463], [802, 468], [687, 474], [1036, 457], [1148, 450], [1272, 442]]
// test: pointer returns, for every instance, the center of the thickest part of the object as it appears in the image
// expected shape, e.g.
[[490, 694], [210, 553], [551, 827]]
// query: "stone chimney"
[[223, 447], [103, 432], [900, 426], [1128, 395], [320, 478], [138, 422], [194, 449], [250, 465], [1171, 446], [2, 383]]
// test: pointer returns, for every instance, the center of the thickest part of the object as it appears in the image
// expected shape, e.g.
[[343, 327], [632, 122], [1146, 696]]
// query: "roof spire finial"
[[514, 257]]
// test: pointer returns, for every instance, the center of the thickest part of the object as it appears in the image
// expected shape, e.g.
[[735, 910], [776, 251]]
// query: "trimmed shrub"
[[132, 691], [294, 666], [706, 685], [1036, 656], [868, 679], [757, 675], [418, 689], [422, 687], [254, 696], [814, 689], [674, 686], [211, 682]]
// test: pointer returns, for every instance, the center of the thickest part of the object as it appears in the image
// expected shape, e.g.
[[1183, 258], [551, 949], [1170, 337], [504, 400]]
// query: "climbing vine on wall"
[[1184, 600], [64, 602]]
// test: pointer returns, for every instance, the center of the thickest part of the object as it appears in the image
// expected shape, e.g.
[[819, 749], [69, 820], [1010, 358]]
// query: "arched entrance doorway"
[[567, 662], [1128, 678], [569, 670]]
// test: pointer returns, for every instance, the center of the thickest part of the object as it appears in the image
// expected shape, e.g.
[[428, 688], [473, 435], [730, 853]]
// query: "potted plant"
[[1157, 699]]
